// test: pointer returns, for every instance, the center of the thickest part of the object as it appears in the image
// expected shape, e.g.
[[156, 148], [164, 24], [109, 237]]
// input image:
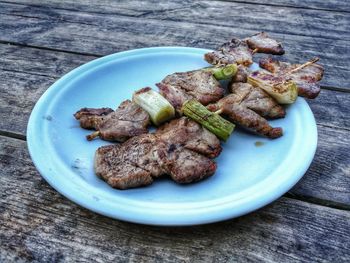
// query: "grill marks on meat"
[[248, 106], [140, 159], [263, 43], [241, 51], [127, 121], [235, 51], [113, 170], [186, 166], [306, 79], [199, 84], [189, 134]]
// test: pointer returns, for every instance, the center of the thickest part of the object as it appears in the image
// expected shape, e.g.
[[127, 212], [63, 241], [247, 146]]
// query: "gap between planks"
[[162, 11], [281, 5], [228, 1]]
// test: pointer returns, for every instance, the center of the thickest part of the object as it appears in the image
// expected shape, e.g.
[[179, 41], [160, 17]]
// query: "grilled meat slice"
[[306, 79], [199, 84], [262, 43], [191, 135], [186, 166], [241, 75], [118, 173], [127, 121], [248, 106], [235, 51], [90, 118], [142, 158]]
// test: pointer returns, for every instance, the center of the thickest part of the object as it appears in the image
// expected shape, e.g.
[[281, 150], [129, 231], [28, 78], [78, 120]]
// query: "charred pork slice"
[[189, 134], [241, 74], [127, 121], [248, 106], [306, 79], [263, 43], [90, 118], [199, 84], [235, 51], [140, 159]]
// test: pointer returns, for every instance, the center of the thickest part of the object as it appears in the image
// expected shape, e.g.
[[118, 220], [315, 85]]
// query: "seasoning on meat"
[[199, 84], [241, 51], [235, 51], [248, 106], [306, 78], [140, 159], [263, 43], [191, 135], [127, 121]]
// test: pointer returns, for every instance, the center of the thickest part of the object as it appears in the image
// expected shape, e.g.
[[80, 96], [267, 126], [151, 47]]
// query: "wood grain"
[[199, 26], [331, 5], [38, 224], [328, 177]]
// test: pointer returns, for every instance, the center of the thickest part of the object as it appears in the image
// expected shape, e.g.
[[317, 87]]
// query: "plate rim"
[[168, 217]]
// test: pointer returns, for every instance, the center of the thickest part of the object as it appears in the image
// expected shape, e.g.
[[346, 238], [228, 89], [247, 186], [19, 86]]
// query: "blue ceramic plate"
[[252, 171]]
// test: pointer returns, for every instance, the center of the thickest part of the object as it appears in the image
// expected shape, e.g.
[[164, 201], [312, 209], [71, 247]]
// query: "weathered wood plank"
[[283, 20], [332, 5], [328, 177], [101, 34], [314, 23], [39, 224], [135, 7]]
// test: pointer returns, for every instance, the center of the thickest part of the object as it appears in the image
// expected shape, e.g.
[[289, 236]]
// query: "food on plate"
[[248, 107], [191, 135], [235, 51], [191, 103], [241, 74], [305, 78], [158, 108], [263, 43], [282, 89], [223, 72], [241, 51], [198, 84], [210, 120], [126, 121], [90, 118], [142, 158]]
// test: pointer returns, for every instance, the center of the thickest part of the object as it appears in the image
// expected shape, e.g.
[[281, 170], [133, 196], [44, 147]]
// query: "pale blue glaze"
[[248, 177]]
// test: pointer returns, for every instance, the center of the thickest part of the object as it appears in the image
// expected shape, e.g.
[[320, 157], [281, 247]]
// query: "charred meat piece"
[[142, 158], [236, 51], [90, 118], [241, 75], [262, 43], [127, 121], [186, 166], [191, 135], [248, 106], [116, 172], [306, 78], [199, 84]]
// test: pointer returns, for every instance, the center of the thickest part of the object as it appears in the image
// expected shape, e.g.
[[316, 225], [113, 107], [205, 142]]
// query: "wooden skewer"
[[219, 111], [254, 51], [93, 135], [312, 61]]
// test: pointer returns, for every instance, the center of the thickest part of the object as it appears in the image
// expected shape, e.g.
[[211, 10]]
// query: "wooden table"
[[42, 40]]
